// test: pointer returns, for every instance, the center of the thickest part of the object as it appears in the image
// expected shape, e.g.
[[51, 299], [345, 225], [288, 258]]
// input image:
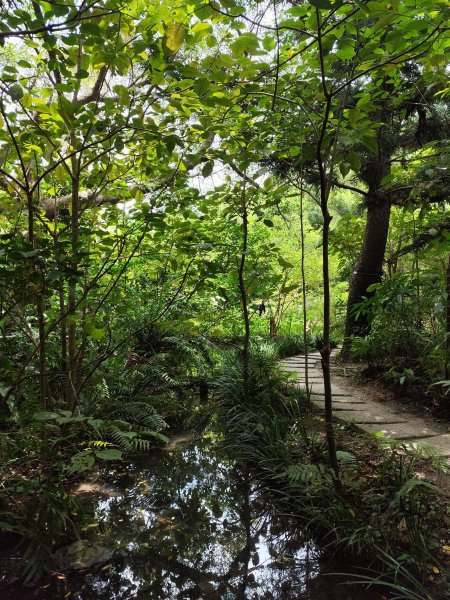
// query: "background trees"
[[133, 131], [189, 192]]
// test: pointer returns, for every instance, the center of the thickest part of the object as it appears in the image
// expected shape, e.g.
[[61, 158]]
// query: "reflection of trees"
[[193, 535]]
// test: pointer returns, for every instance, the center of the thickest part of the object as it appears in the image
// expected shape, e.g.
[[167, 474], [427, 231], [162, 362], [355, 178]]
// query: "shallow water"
[[189, 525]]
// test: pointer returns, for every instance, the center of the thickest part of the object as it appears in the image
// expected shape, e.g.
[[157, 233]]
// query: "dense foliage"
[[183, 183]]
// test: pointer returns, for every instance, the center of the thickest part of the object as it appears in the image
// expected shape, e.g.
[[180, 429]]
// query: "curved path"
[[367, 414]]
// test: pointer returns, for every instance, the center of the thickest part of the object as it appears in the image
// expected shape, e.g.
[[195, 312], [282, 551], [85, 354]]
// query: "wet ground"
[[186, 524]]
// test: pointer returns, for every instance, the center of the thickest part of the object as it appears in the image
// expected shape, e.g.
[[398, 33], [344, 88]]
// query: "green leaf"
[[268, 183], [345, 52], [370, 143], [285, 263], [289, 288], [97, 334], [173, 38], [246, 43], [109, 454], [208, 168], [201, 86], [82, 74], [269, 43], [30, 253], [201, 28], [324, 4], [268, 222], [344, 168], [123, 94], [45, 416], [16, 92], [354, 161], [81, 462], [91, 29], [119, 144], [345, 457], [159, 436]]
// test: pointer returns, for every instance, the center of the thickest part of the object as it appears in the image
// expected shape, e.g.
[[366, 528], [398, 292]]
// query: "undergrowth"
[[385, 510], [124, 411]]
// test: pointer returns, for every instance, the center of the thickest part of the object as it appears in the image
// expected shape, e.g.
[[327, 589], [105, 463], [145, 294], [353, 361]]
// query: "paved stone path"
[[368, 415]]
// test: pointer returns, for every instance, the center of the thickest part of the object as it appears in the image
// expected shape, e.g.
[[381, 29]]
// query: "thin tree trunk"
[[325, 186], [272, 326], [244, 298], [325, 351], [302, 266], [43, 377], [72, 363], [203, 391], [43, 381], [63, 328], [416, 274], [447, 323]]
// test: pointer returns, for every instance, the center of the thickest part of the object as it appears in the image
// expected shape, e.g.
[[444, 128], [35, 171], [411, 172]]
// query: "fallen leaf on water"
[[436, 570]]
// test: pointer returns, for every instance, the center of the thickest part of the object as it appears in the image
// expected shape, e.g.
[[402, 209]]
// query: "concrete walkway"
[[367, 414]]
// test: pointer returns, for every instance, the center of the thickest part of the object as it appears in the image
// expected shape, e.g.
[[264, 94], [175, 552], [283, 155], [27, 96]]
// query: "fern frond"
[[306, 474], [140, 413]]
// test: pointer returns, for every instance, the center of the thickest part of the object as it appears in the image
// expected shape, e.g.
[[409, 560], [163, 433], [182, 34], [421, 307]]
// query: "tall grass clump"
[[290, 345]]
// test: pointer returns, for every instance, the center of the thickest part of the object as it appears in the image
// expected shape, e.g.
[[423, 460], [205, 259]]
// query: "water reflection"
[[191, 526]]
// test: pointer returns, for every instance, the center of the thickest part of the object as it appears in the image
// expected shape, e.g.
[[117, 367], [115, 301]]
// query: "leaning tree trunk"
[[368, 268]]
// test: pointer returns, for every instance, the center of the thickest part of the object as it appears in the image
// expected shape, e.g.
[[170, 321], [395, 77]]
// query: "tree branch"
[[352, 188]]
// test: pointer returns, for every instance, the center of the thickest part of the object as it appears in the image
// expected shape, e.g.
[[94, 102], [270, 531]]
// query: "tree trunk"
[[325, 187], [325, 351], [303, 275], [203, 391], [43, 380], [447, 323], [244, 299], [272, 327], [72, 362], [63, 328], [368, 269]]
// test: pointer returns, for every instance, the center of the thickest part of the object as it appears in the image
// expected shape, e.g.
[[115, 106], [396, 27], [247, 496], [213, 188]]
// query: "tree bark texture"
[[369, 266]]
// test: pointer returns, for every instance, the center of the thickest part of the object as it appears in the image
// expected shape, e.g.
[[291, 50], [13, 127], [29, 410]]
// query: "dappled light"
[[224, 299]]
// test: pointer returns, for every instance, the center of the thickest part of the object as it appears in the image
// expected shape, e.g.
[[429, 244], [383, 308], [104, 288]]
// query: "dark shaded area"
[[188, 525]]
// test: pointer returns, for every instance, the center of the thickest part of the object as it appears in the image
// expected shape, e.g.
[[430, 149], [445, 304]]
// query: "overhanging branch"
[[51, 206]]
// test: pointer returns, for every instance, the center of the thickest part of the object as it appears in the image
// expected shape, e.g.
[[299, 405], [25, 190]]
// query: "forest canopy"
[[132, 130], [179, 178]]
